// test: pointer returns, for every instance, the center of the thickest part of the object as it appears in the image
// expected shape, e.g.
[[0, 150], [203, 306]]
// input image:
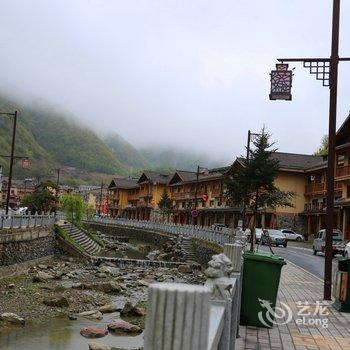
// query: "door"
[[290, 235]]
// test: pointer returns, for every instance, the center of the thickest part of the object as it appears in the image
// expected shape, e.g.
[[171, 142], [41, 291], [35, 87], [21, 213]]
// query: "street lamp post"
[[244, 209], [326, 70], [14, 115]]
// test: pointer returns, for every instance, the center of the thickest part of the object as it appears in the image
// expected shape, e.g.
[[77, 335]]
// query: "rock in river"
[[98, 346], [124, 327], [58, 301], [131, 310], [12, 318], [93, 315], [93, 332], [109, 308], [185, 268]]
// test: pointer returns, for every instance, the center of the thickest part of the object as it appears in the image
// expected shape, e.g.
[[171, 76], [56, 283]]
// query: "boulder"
[[42, 277], [131, 310], [93, 315], [109, 308], [56, 301], [93, 332], [106, 287], [12, 318], [98, 346], [123, 327], [185, 268]]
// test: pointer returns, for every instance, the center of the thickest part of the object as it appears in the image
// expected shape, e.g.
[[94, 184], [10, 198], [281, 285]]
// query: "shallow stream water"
[[62, 334]]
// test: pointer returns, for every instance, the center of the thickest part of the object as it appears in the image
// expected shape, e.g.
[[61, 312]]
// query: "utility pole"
[[244, 210], [326, 70], [196, 194], [100, 206], [245, 200], [14, 115], [58, 170], [333, 80]]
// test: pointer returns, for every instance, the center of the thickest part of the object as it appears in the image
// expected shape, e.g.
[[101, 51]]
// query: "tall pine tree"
[[165, 204], [254, 183]]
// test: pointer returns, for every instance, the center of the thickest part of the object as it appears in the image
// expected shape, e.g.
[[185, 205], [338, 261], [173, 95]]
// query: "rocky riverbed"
[[102, 299]]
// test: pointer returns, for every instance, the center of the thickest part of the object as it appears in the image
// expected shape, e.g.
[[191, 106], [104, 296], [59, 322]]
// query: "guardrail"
[[208, 234], [25, 221], [193, 317]]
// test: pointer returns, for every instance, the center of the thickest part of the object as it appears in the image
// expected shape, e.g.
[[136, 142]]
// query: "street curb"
[[301, 248], [308, 272]]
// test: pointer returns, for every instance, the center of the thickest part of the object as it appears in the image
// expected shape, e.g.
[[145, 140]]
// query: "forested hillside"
[[52, 139]]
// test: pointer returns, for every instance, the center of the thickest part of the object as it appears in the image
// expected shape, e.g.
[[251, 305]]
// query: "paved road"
[[303, 258]]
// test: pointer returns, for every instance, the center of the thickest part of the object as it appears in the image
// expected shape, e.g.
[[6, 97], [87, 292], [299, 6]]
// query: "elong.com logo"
[[307, 314]]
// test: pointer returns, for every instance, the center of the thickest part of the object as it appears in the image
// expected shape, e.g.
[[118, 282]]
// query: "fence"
[[208, 234], [25, 221], [196, 317]]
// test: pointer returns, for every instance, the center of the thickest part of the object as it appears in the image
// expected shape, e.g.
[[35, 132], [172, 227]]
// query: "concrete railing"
[[193, 231], [196, 317], [25, 221]]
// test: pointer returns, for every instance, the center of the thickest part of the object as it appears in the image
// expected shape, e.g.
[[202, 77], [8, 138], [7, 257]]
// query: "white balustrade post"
[[177, 317], [234, 253]]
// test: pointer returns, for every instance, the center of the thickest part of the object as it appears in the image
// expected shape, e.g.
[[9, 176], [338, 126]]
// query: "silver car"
[[275, 237], [293, 236]]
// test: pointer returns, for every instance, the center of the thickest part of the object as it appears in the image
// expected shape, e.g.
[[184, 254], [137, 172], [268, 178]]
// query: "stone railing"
[[25, 221], [194, 317], [199, 232]]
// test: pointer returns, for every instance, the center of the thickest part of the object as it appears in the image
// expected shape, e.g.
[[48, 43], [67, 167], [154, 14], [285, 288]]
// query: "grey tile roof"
[[123, 183], [294, 161], [155, 177]]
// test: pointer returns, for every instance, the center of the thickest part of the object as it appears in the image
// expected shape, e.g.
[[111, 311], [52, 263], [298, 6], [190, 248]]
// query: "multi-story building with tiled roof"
[[205, 193]]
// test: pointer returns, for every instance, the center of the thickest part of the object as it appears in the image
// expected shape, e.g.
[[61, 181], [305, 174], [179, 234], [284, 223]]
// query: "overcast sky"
[[186, 73]]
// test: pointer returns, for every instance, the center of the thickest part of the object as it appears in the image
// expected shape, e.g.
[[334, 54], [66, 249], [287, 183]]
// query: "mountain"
[[50, 139], [171, 159], [125, 152], [53, 139]]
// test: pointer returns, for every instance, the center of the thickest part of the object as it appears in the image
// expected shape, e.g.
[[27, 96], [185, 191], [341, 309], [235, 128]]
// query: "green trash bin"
[[261, 277]]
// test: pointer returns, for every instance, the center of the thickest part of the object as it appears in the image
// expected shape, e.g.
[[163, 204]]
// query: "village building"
[[138, 199], [201, 194], [19, 188]]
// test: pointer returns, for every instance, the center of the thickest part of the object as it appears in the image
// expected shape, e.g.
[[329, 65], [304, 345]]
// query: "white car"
[[293, 236]]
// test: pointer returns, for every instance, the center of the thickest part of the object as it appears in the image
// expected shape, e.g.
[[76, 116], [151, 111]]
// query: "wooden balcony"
[[342, 172], [216, 192], [319, 207], [133, 197], [183, 195], [315, 188], [320, 188]]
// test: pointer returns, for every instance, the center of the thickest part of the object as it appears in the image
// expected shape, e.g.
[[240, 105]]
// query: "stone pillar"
[[234, 253], [177, 317]]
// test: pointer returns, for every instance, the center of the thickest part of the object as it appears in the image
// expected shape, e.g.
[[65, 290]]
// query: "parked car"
[[293, 236], [276, 237], [218, 226], [338, 244], [258, 234]]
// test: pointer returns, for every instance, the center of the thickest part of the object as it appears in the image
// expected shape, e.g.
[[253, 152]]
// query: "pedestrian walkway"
[[300, 296]]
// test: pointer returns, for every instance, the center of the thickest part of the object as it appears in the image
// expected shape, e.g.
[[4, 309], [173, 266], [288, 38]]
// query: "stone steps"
[[187, 246], [82, 239]]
